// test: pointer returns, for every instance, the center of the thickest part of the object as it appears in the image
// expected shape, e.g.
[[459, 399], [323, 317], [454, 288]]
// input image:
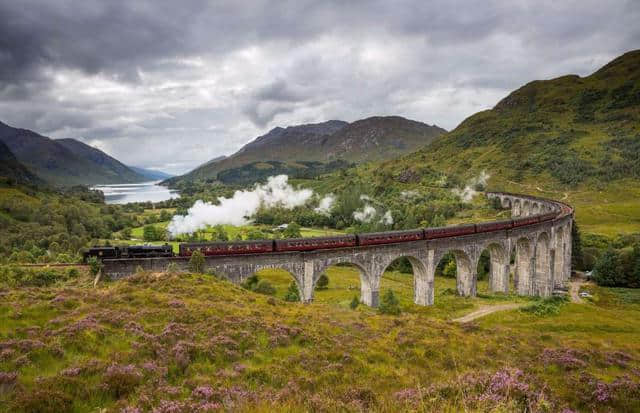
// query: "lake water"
[[142, 192]]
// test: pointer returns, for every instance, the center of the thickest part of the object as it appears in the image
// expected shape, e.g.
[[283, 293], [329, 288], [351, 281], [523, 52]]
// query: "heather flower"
[[202, 392], [170, 406], [71, 372], [121, 379], [570, 359]]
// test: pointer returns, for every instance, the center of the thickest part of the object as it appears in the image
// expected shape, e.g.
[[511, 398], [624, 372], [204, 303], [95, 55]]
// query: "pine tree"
[[389, 304], [322, 283], [292, 294]]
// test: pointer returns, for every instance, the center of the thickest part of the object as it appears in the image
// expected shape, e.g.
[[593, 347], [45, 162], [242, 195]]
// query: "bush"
[[389, 304], [94, 265], [121, 380], [72, 273], [607, 271], [196, 262], [546, 307], [264, 287], [450, 269], [355, 302], [251, 283], [172, 268], [292, 294], [322, 283]]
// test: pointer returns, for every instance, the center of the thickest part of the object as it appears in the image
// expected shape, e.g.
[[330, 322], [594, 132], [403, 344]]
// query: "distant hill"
[[13, 172], [374, 138], [65, 162], [572, 137], [150, 174]]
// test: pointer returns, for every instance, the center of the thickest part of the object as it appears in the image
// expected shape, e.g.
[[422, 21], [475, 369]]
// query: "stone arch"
[[498, 266], [517, 208], [295, 276], [535, 208], [506, 202], [423, 290], [523, 271], [526, 208], [369, 286], [465, 271], [544, 263]]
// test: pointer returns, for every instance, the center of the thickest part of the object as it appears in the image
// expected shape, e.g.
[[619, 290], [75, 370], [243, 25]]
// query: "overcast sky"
[[172, 84]]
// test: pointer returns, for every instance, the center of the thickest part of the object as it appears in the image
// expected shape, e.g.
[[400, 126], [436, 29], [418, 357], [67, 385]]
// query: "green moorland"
[[572, 138], [192, 342]]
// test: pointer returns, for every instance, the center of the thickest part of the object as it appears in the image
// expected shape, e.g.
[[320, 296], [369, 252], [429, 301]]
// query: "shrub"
[[323, 282], [72, 273], [94, 265], [172, 268], [607, 270], [121, 380], [292, 294], [450, 269], [389, 304], [251, 282], [355, 302], [264, 287], [546, 307], [196, 262]]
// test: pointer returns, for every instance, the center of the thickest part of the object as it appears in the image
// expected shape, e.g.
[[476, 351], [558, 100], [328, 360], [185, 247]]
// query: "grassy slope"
[[571, 138], [184, 331]]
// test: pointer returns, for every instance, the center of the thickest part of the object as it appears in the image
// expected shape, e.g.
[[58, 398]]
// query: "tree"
[[196, 262], [354, 302], [95, 265], [389, 304], [606, 271], [220, 234], [292, 294], [264, 287], [450, 269], [577, 258], [292, 231], [125, 233], [323, 282], [149, 233], [251, 282]]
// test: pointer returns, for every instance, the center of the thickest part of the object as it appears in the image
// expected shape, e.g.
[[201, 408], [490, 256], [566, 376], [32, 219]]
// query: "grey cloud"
[[156, 82]]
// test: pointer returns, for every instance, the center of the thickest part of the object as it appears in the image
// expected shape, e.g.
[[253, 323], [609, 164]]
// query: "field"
[[186, 342]]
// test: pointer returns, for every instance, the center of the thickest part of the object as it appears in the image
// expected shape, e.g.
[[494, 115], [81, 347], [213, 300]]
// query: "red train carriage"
[[308, 244], [390, 237], [443, 232], [534, 219], [494, 226], [227, 248], [548, 216]]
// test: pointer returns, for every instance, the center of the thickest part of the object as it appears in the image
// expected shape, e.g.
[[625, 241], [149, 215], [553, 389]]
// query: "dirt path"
[[487, 310], [574, 290]]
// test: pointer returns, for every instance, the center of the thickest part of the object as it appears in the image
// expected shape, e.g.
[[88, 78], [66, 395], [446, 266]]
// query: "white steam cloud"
[[238, 209], [368, 213], [469, 191], [325, 205]]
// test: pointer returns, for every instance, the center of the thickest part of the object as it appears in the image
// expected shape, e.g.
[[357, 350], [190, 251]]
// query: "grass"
[[180, 341]]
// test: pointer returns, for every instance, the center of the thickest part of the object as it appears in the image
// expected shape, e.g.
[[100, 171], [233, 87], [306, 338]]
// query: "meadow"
[[193, 342]]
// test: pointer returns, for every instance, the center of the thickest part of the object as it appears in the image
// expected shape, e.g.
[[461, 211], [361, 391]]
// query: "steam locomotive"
[[309, 244]]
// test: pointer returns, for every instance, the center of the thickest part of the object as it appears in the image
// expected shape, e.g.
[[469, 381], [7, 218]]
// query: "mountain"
[[370, 139], [576, 138], [150, 174], [65, 162], [12, 171]]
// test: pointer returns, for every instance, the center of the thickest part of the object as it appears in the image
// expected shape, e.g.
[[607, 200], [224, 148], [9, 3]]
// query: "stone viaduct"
[[541, 255]]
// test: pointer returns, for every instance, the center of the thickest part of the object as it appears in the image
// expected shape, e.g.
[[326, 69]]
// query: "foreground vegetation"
[[192, 342]]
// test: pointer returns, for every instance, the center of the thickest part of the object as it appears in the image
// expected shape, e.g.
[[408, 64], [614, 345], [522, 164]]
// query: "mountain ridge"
[[64, 162], [373, 138]]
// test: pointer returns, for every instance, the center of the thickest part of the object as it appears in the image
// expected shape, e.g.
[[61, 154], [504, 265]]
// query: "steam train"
[[309, 244]]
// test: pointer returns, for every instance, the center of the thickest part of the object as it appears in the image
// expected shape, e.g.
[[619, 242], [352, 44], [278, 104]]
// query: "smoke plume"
[[238, 209], [472, 187]]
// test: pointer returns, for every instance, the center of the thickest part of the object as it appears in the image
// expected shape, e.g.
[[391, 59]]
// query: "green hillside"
[[13, 172], [572, 138], [66, 162], [371, 139], [186, 343]]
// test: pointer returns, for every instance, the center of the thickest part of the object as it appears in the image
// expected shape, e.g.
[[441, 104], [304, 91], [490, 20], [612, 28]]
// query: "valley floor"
[[181, 342]]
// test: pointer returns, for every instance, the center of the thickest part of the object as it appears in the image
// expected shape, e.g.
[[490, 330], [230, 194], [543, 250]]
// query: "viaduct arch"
[[542, 257]]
